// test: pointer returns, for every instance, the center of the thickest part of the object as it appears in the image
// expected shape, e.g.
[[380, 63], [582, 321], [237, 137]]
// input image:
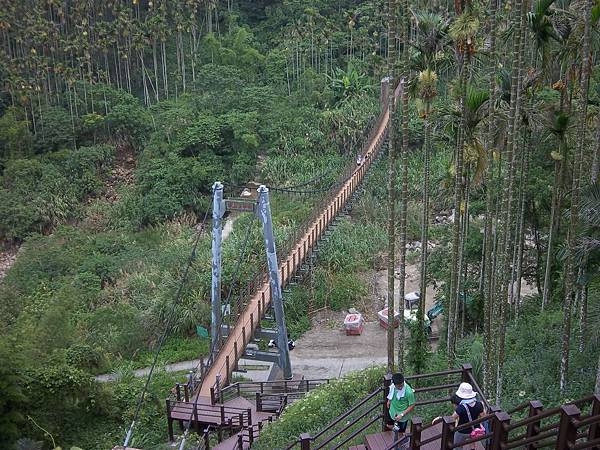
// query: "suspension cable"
[[236, 275], [165, 333], [227, 302]]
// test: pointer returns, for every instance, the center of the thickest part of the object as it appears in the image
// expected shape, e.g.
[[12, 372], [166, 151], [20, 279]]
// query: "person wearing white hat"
[[468, 410]]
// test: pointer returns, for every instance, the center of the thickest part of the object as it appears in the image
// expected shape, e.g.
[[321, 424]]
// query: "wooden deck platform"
[[381, 441]]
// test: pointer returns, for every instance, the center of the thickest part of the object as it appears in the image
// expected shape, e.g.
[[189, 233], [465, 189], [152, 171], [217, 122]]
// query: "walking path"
[[255, 371]]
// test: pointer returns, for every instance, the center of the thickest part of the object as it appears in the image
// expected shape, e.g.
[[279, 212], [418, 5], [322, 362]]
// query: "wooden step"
[[379, 441], [240, 402]]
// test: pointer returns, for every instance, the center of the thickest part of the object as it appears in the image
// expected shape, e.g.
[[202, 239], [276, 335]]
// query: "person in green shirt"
[[400, 403]]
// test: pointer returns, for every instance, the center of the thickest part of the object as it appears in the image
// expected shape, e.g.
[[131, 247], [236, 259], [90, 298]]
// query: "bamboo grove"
[[522, 50]]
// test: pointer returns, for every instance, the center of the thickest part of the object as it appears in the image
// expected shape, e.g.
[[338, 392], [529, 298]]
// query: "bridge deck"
[[237, 340]]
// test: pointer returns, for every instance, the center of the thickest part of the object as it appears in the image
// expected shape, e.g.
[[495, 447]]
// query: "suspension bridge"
[[209, 404]]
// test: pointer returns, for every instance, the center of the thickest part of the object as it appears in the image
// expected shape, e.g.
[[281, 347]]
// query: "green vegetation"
[[117, 117], [319, 407]]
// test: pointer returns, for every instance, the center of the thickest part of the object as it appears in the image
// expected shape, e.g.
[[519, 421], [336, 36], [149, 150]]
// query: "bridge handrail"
[[241, 388]]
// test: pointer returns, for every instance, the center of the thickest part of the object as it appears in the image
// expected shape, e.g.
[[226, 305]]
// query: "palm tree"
[[506, 242], [489, 207], [391, 186], [558, 126], [462, 31], [540, 24], [427, 92], [569, 268], [404, 173]]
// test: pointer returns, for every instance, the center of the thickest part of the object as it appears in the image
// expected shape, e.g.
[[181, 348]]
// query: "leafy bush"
[[168, 185], [15, 138], [319, 407], [38, 194], [55, 130]]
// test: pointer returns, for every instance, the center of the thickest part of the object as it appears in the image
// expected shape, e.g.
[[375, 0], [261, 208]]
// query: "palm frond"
[[590, 205]]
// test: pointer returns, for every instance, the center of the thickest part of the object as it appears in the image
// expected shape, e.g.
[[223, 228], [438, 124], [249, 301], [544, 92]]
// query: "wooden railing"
[[573, 426], [249, 389], [562, 428], [277, 402], [198, 413], [432, 388]]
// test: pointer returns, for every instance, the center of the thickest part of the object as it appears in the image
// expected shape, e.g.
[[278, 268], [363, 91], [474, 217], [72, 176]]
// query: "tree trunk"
[[404, 174], [575, 193], [521, 231], [554, 218], [597, 388], [508, 208], [596, 161], [391, 186], [421, 338], [155, 66], [489, 209], [456, 240]]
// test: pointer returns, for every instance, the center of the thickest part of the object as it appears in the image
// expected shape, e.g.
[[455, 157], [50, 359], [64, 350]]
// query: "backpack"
[[477, 431]]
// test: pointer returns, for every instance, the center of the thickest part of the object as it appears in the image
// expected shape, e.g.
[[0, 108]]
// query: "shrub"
[[55, 130], [15, 138], [319, 407], [38, 194], [167, 186]]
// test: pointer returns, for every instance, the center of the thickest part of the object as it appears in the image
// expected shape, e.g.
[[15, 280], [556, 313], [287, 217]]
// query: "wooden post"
[[240, 441], [447, 433], [178, 391], [235, 353], [249, 417], [387, 381], [533, 429], [195, 411], [594, 431], [186, 392], [170, 422], [206, 439], [416, 427], [466, 370], [305, 441], [500, 420], [567, 431], [227, 373], [258, 400], [213, 398], [222, 411], [251, 434]]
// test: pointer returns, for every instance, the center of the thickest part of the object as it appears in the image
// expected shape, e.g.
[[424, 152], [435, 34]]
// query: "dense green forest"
[[116, 118]]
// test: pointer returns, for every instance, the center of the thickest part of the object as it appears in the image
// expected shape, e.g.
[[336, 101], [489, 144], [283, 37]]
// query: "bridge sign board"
[[238, 204]]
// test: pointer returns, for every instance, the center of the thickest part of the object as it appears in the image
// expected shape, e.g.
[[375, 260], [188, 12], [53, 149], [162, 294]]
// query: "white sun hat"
[[465, 391]]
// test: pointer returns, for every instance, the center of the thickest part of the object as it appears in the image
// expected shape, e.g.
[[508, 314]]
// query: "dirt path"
[[253, 371], [326, 351]]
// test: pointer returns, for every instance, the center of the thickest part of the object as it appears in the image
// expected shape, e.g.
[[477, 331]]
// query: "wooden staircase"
[[573, 426], [239, 410]]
